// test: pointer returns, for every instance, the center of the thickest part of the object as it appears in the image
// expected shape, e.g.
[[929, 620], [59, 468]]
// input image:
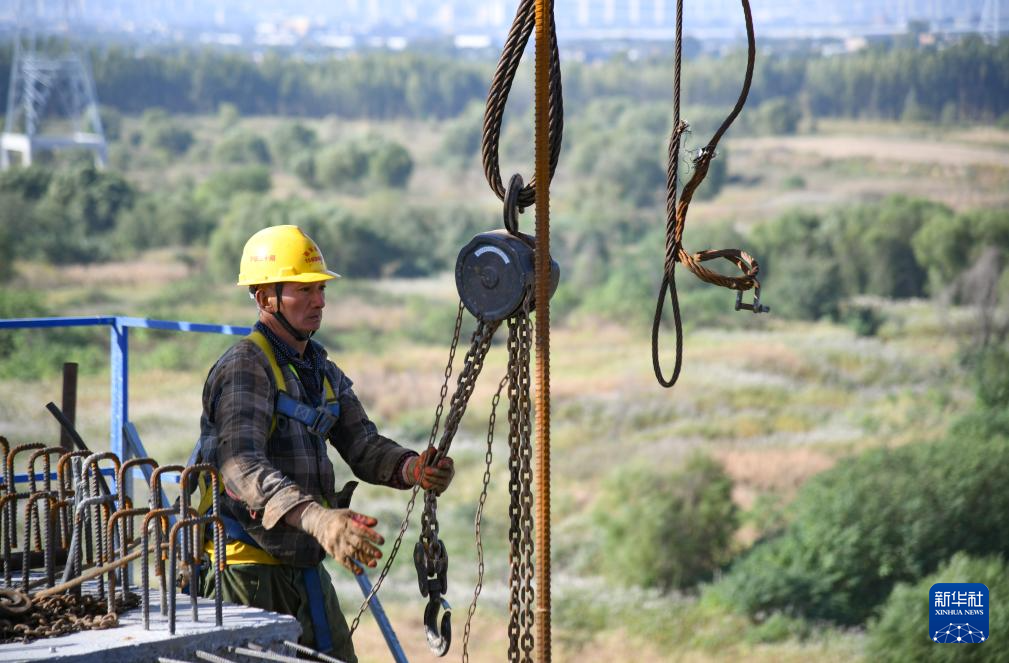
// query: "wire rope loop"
[[512, 208], [668, 284], [497, 97], [677, 205]]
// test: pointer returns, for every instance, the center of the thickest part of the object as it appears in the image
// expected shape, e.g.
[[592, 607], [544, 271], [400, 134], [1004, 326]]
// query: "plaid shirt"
[[265, 475]]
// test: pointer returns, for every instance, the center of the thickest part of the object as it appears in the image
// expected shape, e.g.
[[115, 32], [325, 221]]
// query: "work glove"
[[344, 534], [430, 477]]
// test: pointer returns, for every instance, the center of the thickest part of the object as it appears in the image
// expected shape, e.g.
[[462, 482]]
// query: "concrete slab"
[[129, 642]]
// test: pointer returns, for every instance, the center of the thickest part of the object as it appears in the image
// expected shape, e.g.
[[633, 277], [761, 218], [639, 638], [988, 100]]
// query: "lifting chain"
[[676, 212], [478, 520], [430, 557], [457, 331], [520, 510]]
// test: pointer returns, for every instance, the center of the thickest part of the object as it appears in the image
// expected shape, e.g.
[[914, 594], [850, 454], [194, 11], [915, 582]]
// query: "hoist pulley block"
[[495, 271]]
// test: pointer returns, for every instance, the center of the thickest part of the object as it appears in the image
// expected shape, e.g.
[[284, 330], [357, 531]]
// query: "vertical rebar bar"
[[31, 483], [159, 516], [122, 477], [544, 30], [121, 514]]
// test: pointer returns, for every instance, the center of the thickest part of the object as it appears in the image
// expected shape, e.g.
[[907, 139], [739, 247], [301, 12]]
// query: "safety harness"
[[242, 548]]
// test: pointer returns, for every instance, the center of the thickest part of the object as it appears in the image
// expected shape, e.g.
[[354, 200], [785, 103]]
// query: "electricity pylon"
[[51, 102], [990, 24]]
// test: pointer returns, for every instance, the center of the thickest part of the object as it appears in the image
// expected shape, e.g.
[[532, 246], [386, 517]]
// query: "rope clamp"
[[756, 306]]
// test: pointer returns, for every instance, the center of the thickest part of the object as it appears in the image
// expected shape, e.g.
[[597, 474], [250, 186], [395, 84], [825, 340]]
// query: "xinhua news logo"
[[958, 612]]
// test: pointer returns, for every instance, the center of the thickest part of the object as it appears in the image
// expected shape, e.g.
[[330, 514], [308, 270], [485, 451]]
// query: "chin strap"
[[282, 319]]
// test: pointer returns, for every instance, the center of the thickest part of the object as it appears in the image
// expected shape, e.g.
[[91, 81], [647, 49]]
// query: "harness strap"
[[313, 587], [318, 419]]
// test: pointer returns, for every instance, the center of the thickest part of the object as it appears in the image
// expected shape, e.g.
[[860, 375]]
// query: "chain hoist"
[[495, 279]]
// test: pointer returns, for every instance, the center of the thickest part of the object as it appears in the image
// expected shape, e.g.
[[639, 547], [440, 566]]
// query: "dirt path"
[[882, 148]]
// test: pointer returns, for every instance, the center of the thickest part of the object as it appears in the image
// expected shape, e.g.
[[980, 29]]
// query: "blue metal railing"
[[125, 441], [119, 376]]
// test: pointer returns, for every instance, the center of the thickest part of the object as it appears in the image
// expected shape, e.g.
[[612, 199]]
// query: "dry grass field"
[[776, 402]]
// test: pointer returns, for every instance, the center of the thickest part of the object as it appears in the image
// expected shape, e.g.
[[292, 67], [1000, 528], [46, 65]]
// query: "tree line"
[[964, 81]]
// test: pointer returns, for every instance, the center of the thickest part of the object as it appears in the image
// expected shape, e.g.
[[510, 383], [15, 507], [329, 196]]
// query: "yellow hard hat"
[[282, 253]]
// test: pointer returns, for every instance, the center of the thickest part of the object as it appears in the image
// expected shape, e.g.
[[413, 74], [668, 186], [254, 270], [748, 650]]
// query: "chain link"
[[478, 519], [434, 552], [434, 558], [514, 505], [525, 483], [457, 331], [520, 534], [61, 614]]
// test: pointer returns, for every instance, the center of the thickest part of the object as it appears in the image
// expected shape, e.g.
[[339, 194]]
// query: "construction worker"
[[270, 404]]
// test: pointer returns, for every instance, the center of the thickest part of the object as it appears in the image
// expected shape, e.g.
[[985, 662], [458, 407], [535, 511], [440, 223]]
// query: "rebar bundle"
[[67, 539]]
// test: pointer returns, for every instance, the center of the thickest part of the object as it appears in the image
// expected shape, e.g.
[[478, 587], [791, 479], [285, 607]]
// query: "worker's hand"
[[430, 477], [345, 534]]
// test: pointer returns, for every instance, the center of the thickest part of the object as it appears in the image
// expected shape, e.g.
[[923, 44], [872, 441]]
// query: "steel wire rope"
[[677, 206], [497, 98]]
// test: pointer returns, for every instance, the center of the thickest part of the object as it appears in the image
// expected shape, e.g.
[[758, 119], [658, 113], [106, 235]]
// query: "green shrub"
[[461, 139], [873, 521], [29, 183], [341, 166], [228, 115], [902, 633], [7, 261], [873, 246], [776, 116], [793, 183], [666, 529], [990, 375], [242, 147], [171, 218], [303, 165], [389, 164], [292, 139], [222, 186], [112, 122], [170, 138], [33, 354]]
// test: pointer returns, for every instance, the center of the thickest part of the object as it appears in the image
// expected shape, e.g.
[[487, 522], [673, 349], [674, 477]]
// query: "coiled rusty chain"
[[58, 615], [497, 97], [676, 212]]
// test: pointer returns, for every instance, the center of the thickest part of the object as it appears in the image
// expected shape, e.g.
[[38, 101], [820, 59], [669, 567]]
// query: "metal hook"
[[756, 306], [438, 639]]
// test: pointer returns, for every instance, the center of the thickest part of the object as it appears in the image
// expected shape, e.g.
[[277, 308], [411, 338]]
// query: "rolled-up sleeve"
[[372, 457], [242, 392]]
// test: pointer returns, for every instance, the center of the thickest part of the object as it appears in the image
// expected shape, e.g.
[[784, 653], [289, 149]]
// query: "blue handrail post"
[[119, 378]]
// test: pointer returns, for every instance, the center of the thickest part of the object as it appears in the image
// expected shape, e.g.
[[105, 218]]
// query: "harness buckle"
[[324, 421]]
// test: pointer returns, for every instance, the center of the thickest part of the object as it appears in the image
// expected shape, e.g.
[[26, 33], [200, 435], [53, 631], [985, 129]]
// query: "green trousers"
[[282, 589]]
